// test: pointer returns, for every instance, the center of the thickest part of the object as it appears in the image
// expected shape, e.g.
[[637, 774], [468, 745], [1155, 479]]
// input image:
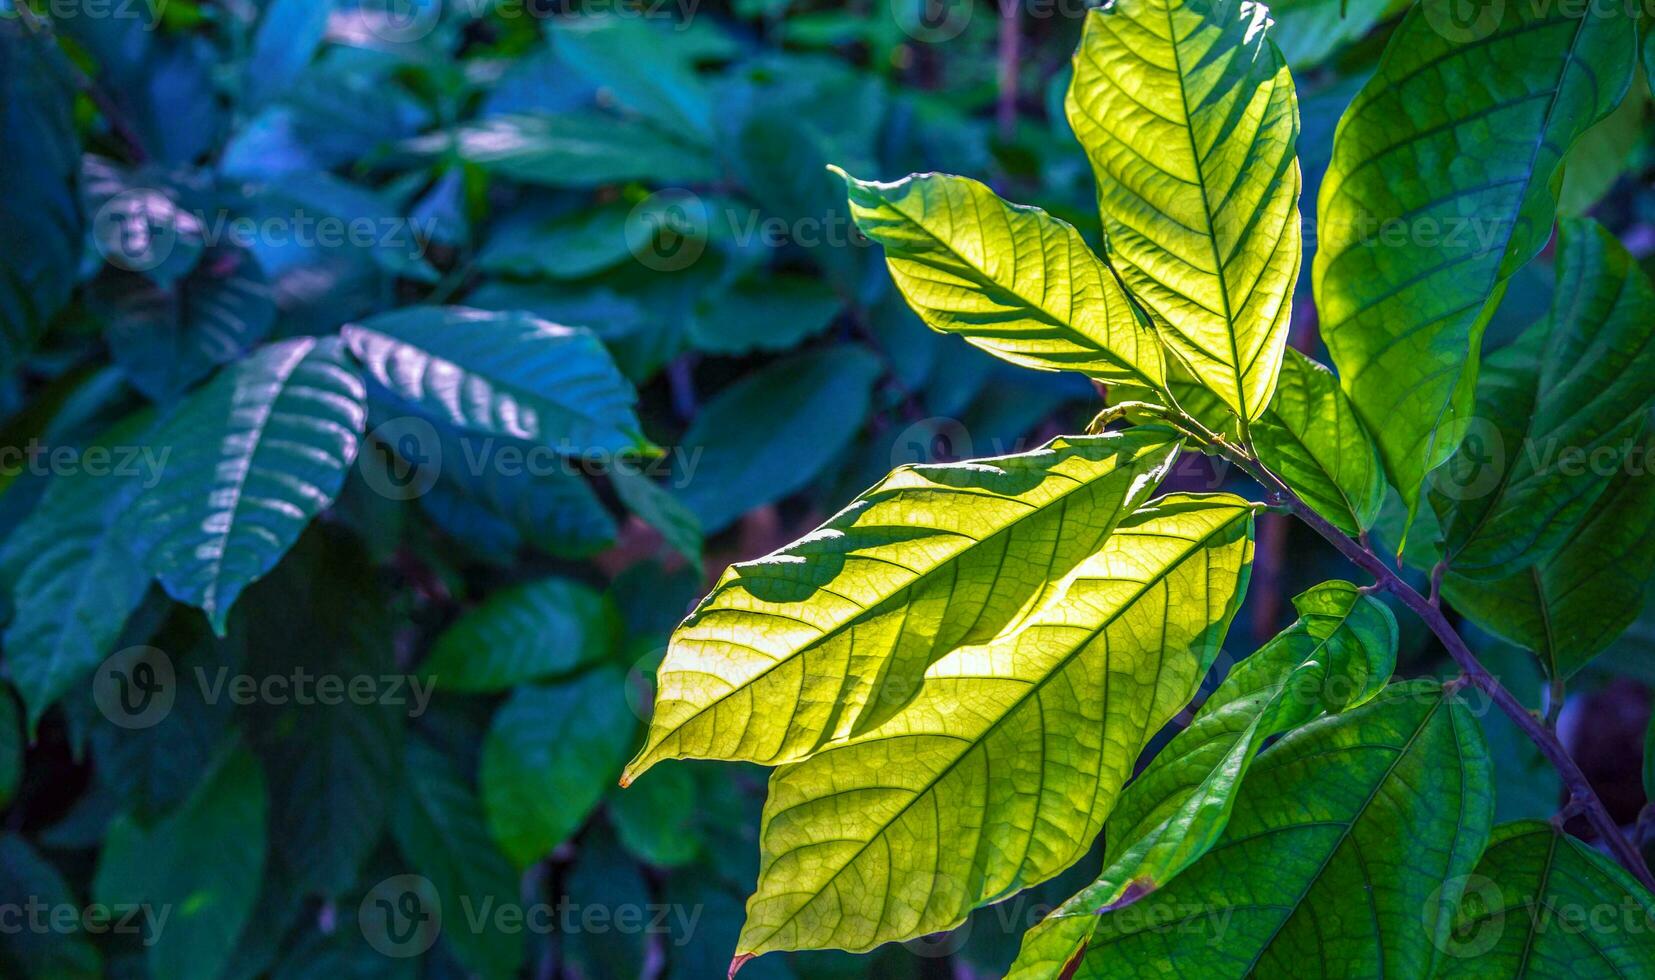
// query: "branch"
[[1581, 794]]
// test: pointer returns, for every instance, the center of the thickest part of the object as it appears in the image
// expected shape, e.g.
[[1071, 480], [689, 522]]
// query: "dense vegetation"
[[382, 385]]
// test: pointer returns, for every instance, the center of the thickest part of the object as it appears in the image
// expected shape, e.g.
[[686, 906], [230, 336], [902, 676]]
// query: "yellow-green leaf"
[[828, 636], [1312, 438], [1189, 117], [1443, 183], [1000, 771], [1012, 280]]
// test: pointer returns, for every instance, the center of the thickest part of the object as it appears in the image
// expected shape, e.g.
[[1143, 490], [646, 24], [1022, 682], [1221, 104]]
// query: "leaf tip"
[[737, 963]]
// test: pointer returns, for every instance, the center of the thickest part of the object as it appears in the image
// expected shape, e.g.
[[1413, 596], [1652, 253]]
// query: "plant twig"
[[1581, 793]]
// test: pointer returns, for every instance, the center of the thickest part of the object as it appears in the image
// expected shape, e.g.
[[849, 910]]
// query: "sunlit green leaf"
[[1338, 655], [1543, 904], [1561, 410], [827, 637], [1189, 117], [1012, 280], [1443, 183], [252, 457], [1345, 854], [1001, 769], [1312, 439]]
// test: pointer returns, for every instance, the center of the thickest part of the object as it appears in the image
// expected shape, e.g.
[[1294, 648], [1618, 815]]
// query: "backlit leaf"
[[1188, 115], [1312, 439], [827, 637], [1443, 183], [1012, 280], [1003, 766]]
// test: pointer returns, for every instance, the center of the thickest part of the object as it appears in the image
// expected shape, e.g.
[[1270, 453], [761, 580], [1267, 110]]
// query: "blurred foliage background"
[[655, 173]]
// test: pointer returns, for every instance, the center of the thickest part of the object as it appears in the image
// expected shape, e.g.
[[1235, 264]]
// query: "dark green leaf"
[[1543, 904], [166, 339], [27, 877], [201, 863], [773, 313], [1573, 604], [550, 755], [511, 375], [1345, 854], [575, 149], [40, 218], [438, 825], [72, 571], [288, 34], [1337, 656], [524, 633], [1561, 408], [656, 817], [769, 434]]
